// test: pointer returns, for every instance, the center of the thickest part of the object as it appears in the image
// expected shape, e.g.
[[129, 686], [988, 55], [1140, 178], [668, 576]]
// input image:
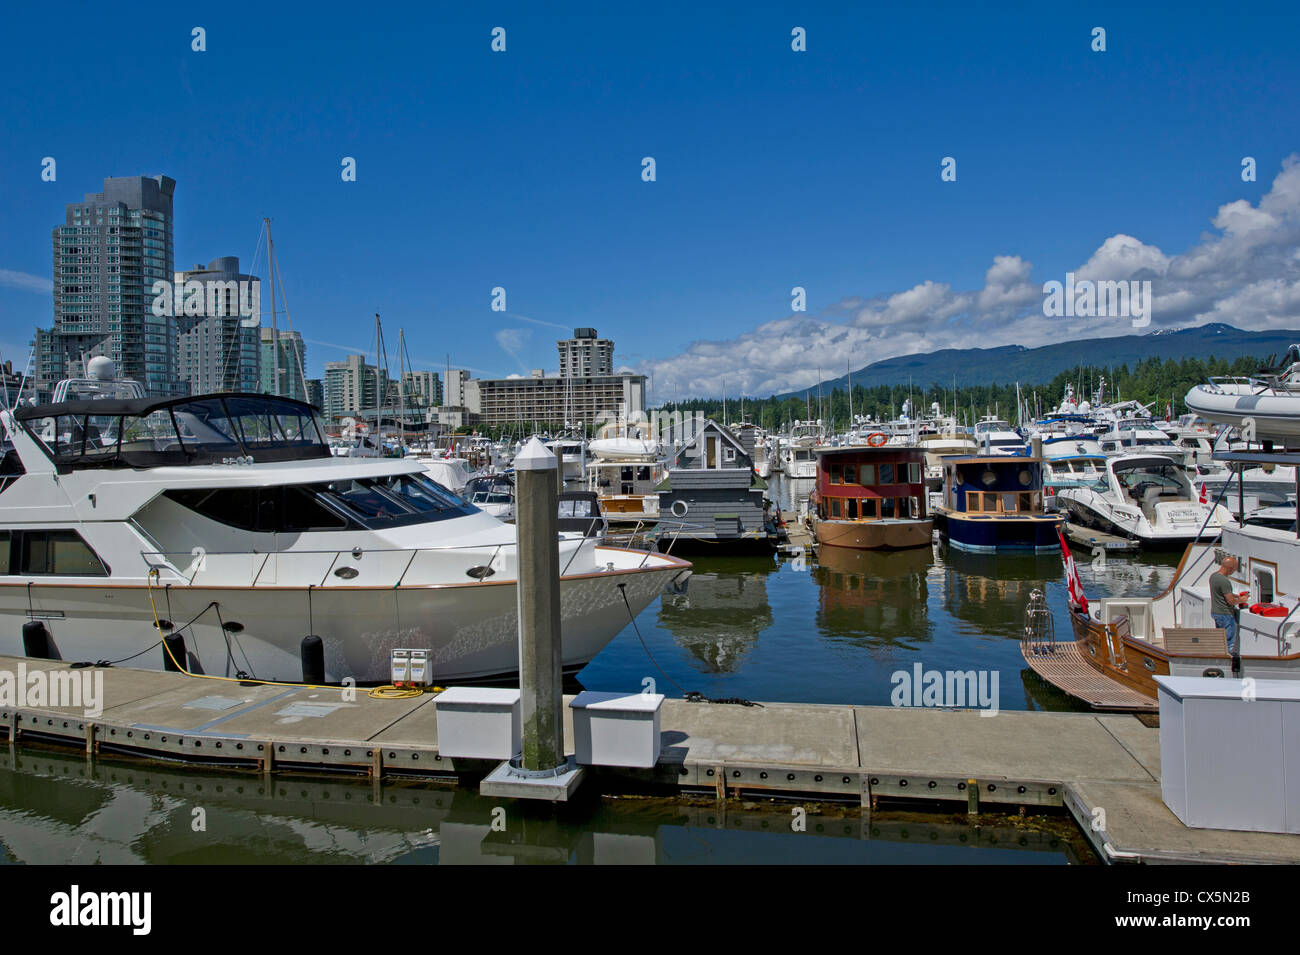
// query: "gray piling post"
[[538, 550]]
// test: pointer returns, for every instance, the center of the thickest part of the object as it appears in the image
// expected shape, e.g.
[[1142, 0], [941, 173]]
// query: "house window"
[[728, 454]]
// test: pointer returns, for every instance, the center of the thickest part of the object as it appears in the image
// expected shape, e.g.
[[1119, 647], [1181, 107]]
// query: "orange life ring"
[[877, 439]]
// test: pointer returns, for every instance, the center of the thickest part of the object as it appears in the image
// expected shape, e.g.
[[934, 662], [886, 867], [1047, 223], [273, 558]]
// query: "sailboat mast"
[[275, 329]]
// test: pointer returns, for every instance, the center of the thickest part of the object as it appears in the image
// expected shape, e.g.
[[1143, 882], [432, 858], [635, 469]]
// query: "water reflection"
[[56, 808], [720, 616], [874, 598]]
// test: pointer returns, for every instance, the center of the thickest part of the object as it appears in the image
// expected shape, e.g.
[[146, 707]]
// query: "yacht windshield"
[[395, 500], [144, 432], [1151, 479]]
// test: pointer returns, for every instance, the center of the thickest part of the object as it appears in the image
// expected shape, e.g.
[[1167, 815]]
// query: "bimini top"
[[153, 432]]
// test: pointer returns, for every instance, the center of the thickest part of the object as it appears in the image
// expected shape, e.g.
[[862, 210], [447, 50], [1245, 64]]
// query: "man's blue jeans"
[[1228, 622]]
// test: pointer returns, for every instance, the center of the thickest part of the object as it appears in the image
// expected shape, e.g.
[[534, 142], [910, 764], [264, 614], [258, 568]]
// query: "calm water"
[[836, 628], [55, 808], [832, 630]]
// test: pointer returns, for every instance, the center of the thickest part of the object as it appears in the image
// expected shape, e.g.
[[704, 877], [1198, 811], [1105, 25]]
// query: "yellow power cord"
[[388, 692]]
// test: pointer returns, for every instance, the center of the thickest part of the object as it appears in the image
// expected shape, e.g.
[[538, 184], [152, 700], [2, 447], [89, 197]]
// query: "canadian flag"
[[1072, 581], [1204, 499], [1169, 411]]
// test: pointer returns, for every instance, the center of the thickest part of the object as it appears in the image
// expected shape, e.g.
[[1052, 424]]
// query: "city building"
[[316, 392], [351, 386], [586, 356], [216, 345], [454, 395], [553, 401], [292, 364], [110, 251], [422, 389]]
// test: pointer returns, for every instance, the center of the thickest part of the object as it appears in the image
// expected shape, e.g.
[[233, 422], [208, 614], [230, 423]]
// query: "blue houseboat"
[[993, 503]]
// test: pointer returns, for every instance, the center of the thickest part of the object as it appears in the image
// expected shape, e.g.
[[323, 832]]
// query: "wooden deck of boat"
[[1065, 667], [1102, 768]]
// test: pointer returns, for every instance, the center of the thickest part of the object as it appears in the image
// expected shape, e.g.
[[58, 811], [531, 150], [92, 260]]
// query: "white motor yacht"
[[1145, 497], [797, 457], [225, 519]]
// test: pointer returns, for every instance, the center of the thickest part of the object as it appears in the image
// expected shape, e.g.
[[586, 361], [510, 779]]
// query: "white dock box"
[[478, 722], [1230, 752], [616, 729]]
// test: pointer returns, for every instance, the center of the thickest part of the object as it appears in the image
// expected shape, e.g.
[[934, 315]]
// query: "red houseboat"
[[871, 498]]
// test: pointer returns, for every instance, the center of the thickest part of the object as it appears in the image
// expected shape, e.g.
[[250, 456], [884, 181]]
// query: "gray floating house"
[[712, 501]]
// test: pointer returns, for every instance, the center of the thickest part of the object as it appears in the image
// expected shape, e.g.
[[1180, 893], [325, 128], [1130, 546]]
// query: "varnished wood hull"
[[875, 535]]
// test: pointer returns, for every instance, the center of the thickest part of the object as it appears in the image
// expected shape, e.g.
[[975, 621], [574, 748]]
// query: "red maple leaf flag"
[[1204, 497], [1072, 581]]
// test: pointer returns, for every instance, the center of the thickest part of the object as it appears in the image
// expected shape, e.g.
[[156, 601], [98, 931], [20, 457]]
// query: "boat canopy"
[[155, 432]]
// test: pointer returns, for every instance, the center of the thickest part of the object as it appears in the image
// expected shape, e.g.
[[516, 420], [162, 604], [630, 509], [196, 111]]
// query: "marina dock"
[[1103, 769]]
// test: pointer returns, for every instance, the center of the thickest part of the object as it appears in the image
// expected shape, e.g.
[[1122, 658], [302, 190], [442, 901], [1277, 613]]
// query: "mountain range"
[[1009, 364]]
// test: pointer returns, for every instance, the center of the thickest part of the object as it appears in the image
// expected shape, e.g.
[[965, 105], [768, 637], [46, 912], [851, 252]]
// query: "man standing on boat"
[[1224, 602]]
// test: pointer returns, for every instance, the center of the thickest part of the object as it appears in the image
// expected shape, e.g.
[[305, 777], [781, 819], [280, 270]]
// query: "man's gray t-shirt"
[[1220, 587]]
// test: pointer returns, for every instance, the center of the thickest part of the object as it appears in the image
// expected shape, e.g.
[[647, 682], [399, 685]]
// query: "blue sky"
[[775, 169]]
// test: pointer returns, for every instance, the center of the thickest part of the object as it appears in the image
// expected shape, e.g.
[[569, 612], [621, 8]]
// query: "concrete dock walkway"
[[1103, 769]]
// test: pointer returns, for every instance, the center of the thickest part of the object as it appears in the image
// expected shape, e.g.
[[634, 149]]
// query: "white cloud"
[[26, 282], [1246, 274]]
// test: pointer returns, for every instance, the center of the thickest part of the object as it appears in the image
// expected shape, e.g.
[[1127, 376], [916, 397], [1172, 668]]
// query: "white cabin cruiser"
[[624, 474], [797, 457], [226, 519], [995, 436], [1148, 498]]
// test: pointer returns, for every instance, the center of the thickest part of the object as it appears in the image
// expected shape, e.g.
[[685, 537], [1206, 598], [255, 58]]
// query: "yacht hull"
[[471, 630]]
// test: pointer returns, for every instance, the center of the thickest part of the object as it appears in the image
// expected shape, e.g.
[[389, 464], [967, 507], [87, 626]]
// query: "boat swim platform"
[[1090, 537], [1101, 768]]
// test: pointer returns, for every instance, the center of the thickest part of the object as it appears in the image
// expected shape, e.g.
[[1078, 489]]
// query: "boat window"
[[835, 507], [1027, 501], [279, 509], [851, 509], [886, 507], [886, 474], [867, 475], [396, 500], [916, 506], [836, 477], [868, 507], [643, 474], [5, 538], [850, 474], [625, 474], [58, 553], [915, 473]]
